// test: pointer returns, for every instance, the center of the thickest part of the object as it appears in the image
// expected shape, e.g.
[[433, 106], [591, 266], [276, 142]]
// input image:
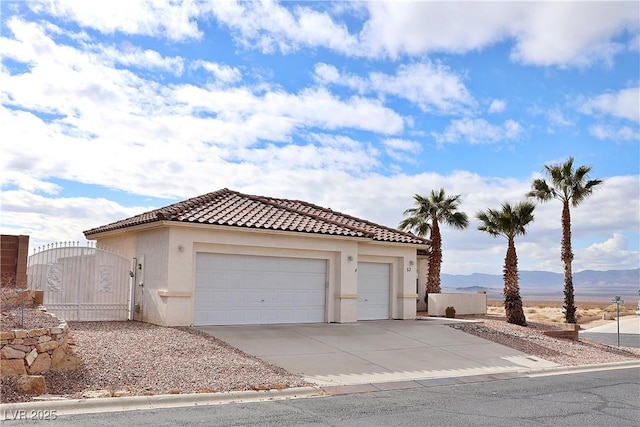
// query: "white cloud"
[[623, 104], [268, 26], [497, 106], [616, 243], [431, 86], [110, 124], [545, 33], [55, 219], [600, 256], [557, 119], [171, 19], [223, 73], [325, 73], [612, 133], [402, 150], [132, 56], [478, 131]]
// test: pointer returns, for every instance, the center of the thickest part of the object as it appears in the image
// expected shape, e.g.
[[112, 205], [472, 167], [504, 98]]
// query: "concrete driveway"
[[376, 351]]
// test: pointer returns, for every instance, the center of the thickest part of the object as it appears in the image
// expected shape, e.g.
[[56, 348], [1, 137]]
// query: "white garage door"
[[373, 291], [253, 290]]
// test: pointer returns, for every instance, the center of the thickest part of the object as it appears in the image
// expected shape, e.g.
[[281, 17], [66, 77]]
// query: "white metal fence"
[[81, 282]]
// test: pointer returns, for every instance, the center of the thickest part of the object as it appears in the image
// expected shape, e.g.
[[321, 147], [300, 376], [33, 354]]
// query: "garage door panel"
[[374, 284], [242, 289]]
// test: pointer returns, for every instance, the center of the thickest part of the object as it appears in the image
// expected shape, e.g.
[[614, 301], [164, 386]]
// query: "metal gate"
[[81, 282]]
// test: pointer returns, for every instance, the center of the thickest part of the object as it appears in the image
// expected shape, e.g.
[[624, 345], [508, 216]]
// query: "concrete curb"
[[133, 403], [559, 370]]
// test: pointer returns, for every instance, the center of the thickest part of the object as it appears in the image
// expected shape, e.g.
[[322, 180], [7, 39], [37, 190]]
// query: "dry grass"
[[551, 311]]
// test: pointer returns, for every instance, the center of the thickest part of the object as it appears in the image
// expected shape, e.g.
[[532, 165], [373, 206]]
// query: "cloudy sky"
[[109, 109]]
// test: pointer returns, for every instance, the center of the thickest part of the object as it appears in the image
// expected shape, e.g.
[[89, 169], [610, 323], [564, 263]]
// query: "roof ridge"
[[327, 210], [272, 201], [190, 202]]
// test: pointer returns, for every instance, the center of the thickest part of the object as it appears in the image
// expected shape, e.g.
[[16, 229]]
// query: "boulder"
[[12, 367], [64, 362], [32, 384], [41, 364]]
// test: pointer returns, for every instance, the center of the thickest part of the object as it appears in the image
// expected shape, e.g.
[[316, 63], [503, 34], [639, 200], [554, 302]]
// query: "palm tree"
[[509, 222], [424, 218], [570, 186]]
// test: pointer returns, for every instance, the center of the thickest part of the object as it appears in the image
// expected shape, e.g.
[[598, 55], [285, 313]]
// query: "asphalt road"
[[579, 399]]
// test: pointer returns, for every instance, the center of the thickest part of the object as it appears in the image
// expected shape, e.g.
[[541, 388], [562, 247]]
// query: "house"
[[227, 258]]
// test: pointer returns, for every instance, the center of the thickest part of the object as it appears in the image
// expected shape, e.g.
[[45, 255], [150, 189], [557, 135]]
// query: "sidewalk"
[[608, 334]]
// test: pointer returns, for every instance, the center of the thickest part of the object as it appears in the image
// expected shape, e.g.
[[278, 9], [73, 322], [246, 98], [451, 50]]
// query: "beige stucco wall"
[[463, 303], [169, 250], [423, 270]]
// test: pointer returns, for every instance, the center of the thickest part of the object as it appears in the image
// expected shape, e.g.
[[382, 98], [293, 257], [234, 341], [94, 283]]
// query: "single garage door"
[[373, 290], [254, 290]]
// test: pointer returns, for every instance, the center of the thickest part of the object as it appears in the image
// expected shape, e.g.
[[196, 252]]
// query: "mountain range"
[[589, 285]]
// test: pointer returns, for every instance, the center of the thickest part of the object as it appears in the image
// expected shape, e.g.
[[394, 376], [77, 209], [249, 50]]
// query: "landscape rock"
[[47, 346], [21, 347], [31, 357], [11, 353], [67, 362], [12, 367], [20, 333], [29, 341], [32, 384], [37, 332], [96, 393], [41, 364]]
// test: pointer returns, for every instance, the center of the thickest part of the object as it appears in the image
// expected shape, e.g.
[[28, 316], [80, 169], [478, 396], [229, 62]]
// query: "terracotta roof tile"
[[230, 208]]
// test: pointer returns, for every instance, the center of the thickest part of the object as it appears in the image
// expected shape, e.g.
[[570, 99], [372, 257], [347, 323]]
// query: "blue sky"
[[109, 109]]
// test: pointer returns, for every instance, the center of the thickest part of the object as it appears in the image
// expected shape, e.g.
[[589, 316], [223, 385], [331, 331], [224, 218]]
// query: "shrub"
[[450, 312]]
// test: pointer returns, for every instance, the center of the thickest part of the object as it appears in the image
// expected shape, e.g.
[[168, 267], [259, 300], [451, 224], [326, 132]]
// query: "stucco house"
[[227, 258]]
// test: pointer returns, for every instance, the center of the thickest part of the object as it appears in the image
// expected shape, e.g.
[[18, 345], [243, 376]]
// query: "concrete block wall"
[[14, 251]]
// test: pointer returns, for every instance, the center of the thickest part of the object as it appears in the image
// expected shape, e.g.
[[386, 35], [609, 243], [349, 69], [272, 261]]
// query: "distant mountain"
[[545, 279], [545, 284]]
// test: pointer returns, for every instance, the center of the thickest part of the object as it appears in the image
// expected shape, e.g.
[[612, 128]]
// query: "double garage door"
[[254, 290]]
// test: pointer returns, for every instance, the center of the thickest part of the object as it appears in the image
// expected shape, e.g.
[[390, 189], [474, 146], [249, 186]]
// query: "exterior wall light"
[[180, 248]]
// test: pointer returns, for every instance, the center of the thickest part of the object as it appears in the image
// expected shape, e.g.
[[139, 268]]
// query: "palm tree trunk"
[[512, 299], [435, 260], [567, 259]]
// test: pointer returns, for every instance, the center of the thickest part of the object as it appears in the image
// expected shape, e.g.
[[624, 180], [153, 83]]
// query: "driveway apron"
[[376, 351]]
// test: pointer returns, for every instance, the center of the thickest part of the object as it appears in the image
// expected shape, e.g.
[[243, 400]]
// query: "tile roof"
[[230, 208]]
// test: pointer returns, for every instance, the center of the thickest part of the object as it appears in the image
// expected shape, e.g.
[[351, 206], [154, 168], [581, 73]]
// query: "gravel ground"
[[531, 340], [132, 358]]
